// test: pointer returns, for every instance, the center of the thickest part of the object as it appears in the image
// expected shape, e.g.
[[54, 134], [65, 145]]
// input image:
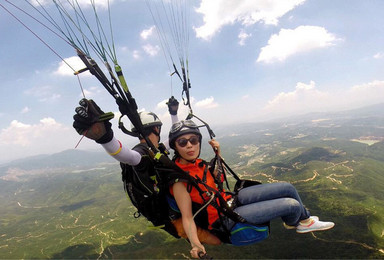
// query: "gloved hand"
[[123, 108], [173, 105], [92, 122]]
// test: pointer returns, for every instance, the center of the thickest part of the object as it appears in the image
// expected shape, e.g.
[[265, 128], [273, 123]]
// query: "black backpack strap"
[[221, 175], [202, 164], [141, 148]]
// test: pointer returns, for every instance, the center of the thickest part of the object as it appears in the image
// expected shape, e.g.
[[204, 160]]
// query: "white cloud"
[[145, 34], [290, 42], [45, 137], [243, 36], [218, 13], [92, 92], [379, 55], [83, 3], [124, 49], [162, 109], [21, 134], [207, 103], [43, 93], [25, 110], [199, 107], [367, 93], [67, 66], [162, 104], [99, 3], [151, 50], [136, 54], [15, 134], [305, 98]]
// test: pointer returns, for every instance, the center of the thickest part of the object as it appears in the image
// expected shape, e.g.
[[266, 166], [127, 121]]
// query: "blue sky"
[[249, 61]]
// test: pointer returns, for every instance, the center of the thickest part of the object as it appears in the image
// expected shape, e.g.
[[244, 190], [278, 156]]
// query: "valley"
[[77, 211]]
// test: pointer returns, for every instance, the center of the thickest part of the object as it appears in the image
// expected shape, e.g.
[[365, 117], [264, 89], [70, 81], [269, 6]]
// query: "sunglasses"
[[182, 142]]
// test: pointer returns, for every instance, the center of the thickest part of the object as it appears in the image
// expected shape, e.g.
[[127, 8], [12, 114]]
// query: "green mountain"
[[68, 158], [72, 205]]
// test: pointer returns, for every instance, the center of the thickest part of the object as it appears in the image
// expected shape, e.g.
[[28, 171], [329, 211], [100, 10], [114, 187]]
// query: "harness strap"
[[202, 164], [220, 177], [179, 174], [222, 206]]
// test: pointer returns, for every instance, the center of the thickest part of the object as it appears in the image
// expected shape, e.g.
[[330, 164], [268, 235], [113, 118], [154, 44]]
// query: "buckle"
[[231, 203]]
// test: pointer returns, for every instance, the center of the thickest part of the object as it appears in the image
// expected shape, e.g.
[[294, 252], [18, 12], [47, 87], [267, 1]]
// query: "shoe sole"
[[313, 230], [294, 227], [288, 227]]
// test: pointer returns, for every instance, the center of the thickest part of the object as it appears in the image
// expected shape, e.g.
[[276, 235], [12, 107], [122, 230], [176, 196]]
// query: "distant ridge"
[[376, 111], [64, 159], [363, 115], [79, 158]]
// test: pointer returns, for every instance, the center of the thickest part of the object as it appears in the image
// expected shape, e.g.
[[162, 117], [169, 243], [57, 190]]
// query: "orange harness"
[[197, 170]]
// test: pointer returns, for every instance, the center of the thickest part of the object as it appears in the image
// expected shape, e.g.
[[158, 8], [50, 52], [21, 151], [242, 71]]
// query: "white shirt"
[[125, 155]]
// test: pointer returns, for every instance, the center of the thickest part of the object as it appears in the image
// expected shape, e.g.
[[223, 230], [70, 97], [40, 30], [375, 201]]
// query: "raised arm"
[[173, 107], [93, 123], [121, 153]]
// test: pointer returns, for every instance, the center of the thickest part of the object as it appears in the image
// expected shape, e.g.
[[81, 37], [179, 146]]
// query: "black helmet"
[[181, 128]]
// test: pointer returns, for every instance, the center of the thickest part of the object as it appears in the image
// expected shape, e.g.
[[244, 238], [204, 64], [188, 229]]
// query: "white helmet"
[[149, 120]]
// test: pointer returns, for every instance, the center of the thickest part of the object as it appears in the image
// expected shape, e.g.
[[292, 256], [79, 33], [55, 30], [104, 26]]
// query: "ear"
[[156, 129]]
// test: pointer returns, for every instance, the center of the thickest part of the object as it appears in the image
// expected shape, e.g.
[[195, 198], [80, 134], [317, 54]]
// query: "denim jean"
[[261, 203]]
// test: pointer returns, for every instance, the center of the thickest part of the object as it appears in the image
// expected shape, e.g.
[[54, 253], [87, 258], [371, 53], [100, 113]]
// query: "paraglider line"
[[37, 36], [81, 138]]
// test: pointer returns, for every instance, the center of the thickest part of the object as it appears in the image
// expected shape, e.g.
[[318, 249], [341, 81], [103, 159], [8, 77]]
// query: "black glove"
[[92, 122], [203, 255], [173, 105], [123, 107]]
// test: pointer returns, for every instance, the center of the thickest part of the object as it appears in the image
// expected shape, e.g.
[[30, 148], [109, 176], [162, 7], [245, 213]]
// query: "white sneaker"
[[314, 225], [294, 227]]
